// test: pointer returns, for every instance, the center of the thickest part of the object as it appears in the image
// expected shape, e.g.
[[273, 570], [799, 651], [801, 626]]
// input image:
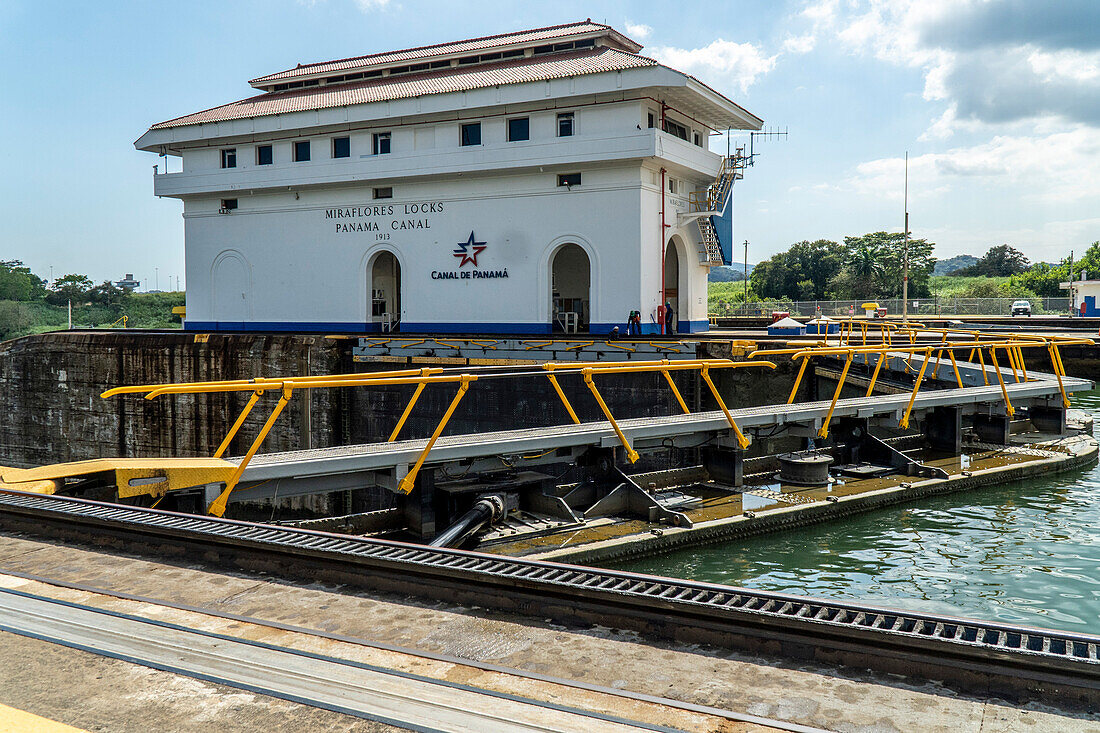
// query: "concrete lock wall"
[[50, 385]]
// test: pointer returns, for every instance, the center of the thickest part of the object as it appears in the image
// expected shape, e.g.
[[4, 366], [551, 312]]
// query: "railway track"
[[992, 659]]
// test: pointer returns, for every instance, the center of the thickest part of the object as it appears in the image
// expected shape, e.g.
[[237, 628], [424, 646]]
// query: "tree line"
[[28, 304], [870, 267]]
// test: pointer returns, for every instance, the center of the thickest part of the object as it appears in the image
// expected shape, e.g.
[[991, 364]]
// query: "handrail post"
[[798, 380], [237, 424], [1020, 361], [217, 508], [741, 439], [406, 484], [823, 432], [631, 454], [904, 424], [1004, 390]]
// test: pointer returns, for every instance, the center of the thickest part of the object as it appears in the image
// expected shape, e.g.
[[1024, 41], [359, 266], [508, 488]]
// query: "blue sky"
[[997, 102]]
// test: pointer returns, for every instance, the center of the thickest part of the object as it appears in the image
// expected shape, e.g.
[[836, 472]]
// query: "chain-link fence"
[[917, 307]]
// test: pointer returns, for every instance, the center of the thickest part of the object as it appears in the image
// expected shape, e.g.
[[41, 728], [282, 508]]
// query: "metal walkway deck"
[[297, 473]]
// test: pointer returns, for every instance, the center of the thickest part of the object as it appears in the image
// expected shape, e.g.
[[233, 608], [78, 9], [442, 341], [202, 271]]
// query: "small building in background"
[[128, 282], [1084, 296]]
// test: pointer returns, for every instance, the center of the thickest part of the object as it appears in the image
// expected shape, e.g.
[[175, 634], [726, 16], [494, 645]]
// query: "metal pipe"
[[485, 511]]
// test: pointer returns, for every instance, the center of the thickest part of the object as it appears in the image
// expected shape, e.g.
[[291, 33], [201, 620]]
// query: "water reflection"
[[1025, 553]]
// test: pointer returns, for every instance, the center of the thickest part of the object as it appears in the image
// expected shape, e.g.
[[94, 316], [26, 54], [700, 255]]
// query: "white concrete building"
[[545, 180]]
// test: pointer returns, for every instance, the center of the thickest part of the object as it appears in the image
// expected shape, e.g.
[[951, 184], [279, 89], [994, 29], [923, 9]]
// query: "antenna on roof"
[[764, 134]]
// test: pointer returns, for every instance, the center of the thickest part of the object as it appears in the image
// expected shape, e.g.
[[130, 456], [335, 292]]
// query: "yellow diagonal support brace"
[[407, 483], [874, 375], [916, 386], [217, 508], [1020, 361], [824, 430], [408, 411], [981, 360], [1000, 378], [239, 422], [1055, 363], [1011, 354], [955, 366], [798, 380], [675, 391], [741, 439], [564, 400], [631, 454]]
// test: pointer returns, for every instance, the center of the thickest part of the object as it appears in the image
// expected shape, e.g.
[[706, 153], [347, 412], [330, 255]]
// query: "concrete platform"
[[494, 652]]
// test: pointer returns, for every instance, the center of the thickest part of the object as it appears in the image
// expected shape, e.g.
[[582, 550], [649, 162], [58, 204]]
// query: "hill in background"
[[946, 267]]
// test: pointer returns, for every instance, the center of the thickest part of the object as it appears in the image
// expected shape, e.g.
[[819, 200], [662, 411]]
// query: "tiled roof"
[[443, 49], [539, 68]]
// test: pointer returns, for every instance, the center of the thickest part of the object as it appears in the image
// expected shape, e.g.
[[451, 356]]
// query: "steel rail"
[[994, 657]]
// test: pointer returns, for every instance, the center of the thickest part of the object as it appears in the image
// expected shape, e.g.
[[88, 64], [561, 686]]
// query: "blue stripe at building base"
[[515, 329]]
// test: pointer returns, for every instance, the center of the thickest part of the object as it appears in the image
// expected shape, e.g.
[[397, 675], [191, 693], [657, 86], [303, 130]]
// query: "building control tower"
[[534, 182]]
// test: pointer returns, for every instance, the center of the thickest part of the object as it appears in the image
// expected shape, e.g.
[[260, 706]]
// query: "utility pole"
[[1072, 310], [746, 303], [905, 251], [156, 276]]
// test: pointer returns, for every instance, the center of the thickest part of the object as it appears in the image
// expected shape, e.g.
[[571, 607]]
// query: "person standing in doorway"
[[670, 319]]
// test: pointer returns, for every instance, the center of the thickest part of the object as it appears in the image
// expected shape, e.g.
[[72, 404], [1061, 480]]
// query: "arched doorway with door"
[[384, 292], [675, 294], [231, 288], [570, 289]]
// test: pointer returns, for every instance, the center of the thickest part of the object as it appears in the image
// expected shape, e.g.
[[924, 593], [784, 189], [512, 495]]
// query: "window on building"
[[301, 151], [698, 139], [229, 158], [384, 193], [228, 205], [565, 124], [263, 155], [519, 129], [673, 128], [341, 147], [471, 134], [381, 143], [652, 117], [569, 179], [672, 185]]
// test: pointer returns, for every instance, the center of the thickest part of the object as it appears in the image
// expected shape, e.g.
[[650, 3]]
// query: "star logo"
[[464, 250]]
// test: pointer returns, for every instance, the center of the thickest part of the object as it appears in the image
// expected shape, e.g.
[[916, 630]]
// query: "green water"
[[1026, 553]]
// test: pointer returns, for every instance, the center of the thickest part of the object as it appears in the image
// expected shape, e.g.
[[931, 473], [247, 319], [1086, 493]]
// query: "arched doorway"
[[384, 305], [570, 282], [672, 283], [231, 289]]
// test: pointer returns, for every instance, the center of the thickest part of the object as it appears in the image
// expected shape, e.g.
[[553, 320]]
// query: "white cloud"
[[369, 5], [637, 31], [736, 63], [1059, 168], [993, 61], [800, 44]]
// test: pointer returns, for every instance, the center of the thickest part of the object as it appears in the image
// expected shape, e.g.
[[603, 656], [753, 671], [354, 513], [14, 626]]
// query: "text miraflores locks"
[[376, 217]]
